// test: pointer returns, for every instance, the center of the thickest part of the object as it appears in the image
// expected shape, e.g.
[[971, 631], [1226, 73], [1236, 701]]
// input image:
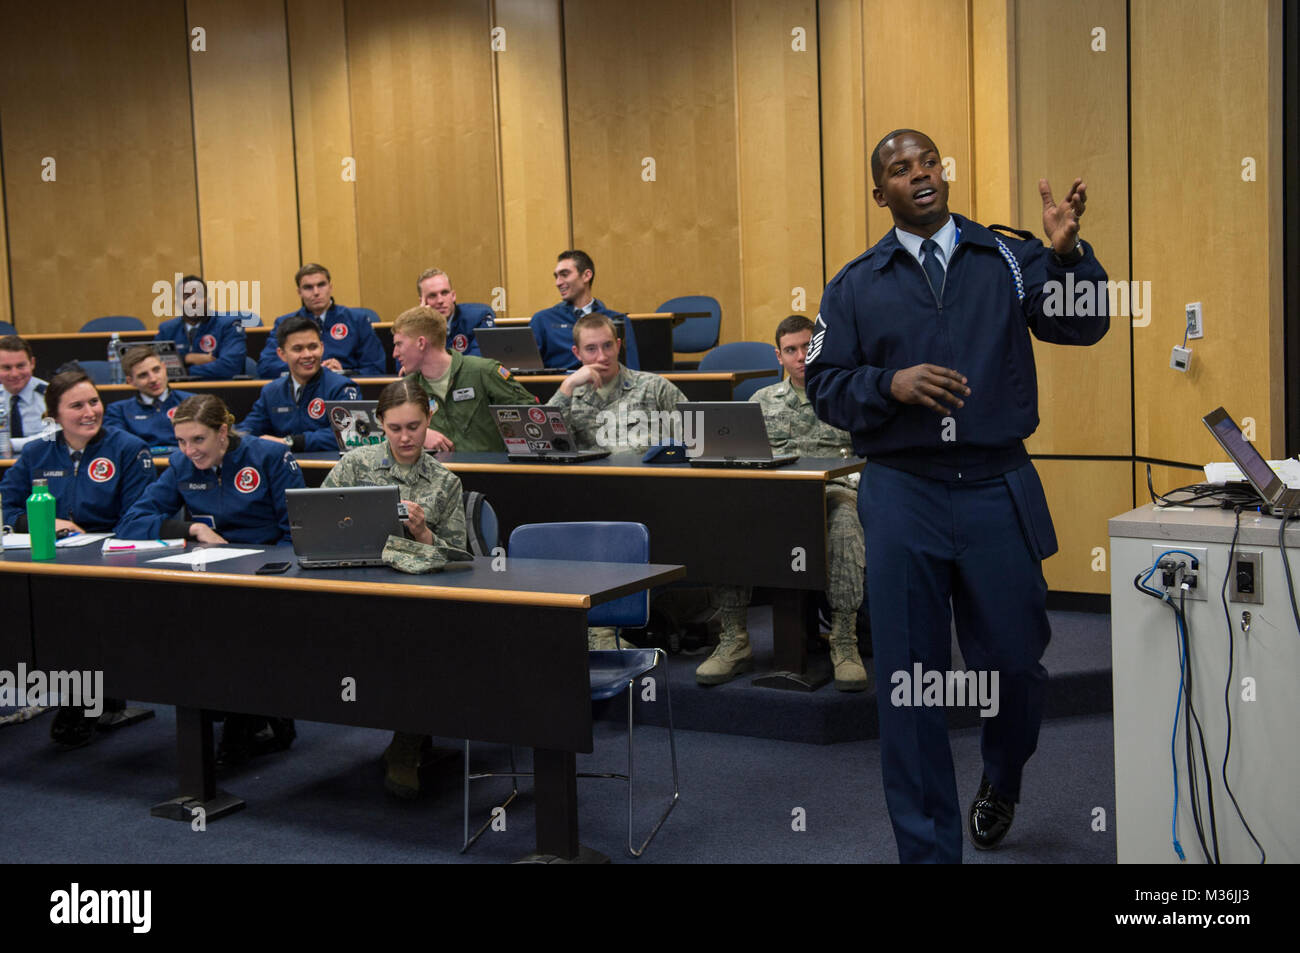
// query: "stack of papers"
[[24, 540], [203, 557], [1221, 473], [140, 545]]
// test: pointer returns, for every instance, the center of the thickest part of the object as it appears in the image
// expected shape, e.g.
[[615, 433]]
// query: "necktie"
[[15, 418], [933, 270], [76, 461]]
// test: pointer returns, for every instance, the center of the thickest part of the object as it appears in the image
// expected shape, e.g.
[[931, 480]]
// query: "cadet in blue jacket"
[[575, 273], [922, 352], [211, 345], [291, 409], [436, 292], [238, 484], [351, 345], [147, 415], [95, 474]]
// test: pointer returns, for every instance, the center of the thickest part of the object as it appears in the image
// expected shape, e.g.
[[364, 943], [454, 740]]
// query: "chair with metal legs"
[[611, 671]]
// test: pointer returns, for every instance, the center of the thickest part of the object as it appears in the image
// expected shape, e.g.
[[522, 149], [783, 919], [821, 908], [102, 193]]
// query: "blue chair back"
[[98, 370], [372, 316], [7, 328], [606, 542], [482, 529], [695, 334], [250, 367], [114, 322], [744, 356], [248, 319]]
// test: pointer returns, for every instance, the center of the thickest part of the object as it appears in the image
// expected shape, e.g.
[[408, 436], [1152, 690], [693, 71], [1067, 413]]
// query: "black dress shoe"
[[990, 816], [71, 728]]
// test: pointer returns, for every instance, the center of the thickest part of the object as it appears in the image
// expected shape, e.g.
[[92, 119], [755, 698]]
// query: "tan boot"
[[850, 673], [603, 639], [732, 657]]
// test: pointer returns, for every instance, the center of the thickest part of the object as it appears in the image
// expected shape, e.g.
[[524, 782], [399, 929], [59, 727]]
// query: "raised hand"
[[1061, 221]]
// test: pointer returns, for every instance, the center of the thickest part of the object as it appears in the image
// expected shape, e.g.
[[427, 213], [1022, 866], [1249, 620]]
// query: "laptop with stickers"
[[166, 351], [534, 434], [732, 434], [354, 422], [342, 527], [515, 348]]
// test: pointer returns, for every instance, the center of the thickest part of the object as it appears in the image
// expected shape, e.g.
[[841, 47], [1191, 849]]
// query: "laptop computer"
[[342, 527], [1278, 499], [732, 434], [515, 348], [166, 351], [354, 422], [534, 434]]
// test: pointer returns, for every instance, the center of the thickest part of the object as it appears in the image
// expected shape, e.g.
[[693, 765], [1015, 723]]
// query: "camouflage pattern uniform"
[[607, 423], [792, 427]]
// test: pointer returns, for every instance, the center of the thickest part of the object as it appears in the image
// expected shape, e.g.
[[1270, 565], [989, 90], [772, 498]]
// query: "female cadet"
[[95, 474], [435, 513], [237, 485]]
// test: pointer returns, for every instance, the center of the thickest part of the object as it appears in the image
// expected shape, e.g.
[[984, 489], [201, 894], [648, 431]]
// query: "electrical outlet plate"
[[1255, 560], [1181, 359], [1195, 325], [1202, 570]]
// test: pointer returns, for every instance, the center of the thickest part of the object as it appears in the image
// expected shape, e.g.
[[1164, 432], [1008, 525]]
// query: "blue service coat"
[[114, 472], [553, 331], [219, 335], [465, 320], [244, 495], [346, 335], [152, 423], [275, 411]]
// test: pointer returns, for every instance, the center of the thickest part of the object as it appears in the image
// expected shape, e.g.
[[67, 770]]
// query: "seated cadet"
[[291, 409], [463, 320], [148, 414], [593, 396], [792, 427], [575, 273], [94, 473], [24, 393], [211, 345], [351, 345], [435, 513], [596, 400], [239, 485], [460, 387]]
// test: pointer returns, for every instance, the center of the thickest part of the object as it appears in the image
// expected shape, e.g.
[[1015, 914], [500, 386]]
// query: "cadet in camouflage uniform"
[[792, 427], [460, 387], [435, 515], [598, 401], [601, 399]]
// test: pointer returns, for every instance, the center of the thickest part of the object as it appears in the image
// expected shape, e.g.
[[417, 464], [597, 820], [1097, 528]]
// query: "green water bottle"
[[40, 520]]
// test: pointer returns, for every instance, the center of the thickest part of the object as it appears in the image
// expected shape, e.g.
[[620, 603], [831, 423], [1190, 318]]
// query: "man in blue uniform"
[[575, 273], [351, 345], [463, 320], [24, 393], [211, 345], [922, 352], [291, 409], [147, 415]]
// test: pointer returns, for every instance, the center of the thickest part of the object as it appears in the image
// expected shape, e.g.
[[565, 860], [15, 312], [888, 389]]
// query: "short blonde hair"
[[422, 322]]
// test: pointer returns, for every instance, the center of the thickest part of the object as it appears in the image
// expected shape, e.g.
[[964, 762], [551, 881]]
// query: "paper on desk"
[[140, 545], [24, 540], [204, 556], [1221, 473]]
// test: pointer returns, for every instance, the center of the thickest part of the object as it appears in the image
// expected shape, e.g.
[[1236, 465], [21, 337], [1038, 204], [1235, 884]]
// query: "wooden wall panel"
[[1083, 495], [322, 133], [424, 130], [6, 313], [919, 78], [534, 156], [1164, 479], [655, 80], [780, 180], [1066, 130], [846, 175], [102, 90], [1205, 86], [243, 136], [993, 111]]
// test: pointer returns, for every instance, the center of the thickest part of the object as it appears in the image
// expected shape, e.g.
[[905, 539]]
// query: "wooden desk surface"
[[674, 318]]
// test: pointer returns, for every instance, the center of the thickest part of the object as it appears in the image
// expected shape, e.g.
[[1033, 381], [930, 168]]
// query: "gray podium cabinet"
[[1264, 764]]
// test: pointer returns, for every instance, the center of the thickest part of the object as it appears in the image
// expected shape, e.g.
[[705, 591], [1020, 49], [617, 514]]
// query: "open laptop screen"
[[1244, 455]]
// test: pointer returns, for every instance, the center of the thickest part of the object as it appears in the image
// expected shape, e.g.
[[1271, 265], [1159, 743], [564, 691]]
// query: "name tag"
[[465, 393], [52, 473], [281, 410], [196, 486]]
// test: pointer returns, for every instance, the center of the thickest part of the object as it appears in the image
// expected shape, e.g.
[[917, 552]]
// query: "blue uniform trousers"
[[928, 542]]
